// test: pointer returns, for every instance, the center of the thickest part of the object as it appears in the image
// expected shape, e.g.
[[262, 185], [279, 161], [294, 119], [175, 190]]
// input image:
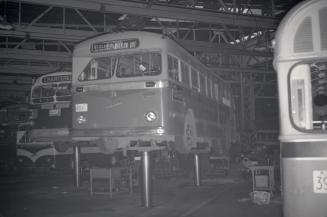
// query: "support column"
[[77, 165], [146, 180], [197, 175]]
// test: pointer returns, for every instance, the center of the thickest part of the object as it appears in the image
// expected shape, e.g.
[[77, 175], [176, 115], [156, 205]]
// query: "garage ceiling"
[[232, 37]]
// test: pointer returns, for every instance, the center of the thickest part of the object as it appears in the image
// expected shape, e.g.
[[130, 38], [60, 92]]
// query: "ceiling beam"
[[25, 70], [38, 55], [55, 34], [166, 11], [216, 68], [77, 35], [208, 47]]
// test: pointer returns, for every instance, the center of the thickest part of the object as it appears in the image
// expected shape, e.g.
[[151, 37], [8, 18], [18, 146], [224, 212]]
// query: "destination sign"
[[56, 78], [114, 45]]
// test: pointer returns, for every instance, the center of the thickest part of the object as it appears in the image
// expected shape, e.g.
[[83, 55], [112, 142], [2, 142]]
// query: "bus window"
[[99, 68], [44, 93], [300, 97], [36, 93], [139, 64], [48, 90], [185, 74], [319, 94], [64, 89], [173, 68], [195, 80]]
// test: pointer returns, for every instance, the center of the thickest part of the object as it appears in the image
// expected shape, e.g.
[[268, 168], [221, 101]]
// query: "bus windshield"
[[63, 89], [46, 93], [129, 65], [139, 65], [43, 91]]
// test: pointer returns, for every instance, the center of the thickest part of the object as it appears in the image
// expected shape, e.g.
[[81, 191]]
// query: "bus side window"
[[301, 97], [94, 70], [36, 93], [195, 80], [185, 73], [173, 68]]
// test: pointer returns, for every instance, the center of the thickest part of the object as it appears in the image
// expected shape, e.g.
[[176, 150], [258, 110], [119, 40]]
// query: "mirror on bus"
[[308, 86]]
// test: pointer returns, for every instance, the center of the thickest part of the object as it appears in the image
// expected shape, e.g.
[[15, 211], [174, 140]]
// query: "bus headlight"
[[150, 116], [81, 119]]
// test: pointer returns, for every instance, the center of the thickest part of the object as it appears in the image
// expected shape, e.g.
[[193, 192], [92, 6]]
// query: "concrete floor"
[[53, 195]]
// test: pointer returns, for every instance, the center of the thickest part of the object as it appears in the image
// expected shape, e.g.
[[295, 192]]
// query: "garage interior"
[[233, 38]]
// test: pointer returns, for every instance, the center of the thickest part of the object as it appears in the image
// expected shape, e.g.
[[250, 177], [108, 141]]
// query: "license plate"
[[320, 181], [54, 112], [81, 107]]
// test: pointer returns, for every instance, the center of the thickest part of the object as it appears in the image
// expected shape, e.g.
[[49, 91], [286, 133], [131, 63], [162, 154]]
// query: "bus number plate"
[[320, 181], [81, 107]]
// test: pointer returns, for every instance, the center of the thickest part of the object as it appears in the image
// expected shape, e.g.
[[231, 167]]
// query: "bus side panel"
[[174, 108], [205, 111], [298, 184]]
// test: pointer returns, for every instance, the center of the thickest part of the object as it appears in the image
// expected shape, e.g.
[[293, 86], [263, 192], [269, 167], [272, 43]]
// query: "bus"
[[45, 141], [47, 136], [300, 59], [135, 89]]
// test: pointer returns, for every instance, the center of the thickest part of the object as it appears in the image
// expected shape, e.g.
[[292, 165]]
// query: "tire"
[[61, 146], [186, 142]]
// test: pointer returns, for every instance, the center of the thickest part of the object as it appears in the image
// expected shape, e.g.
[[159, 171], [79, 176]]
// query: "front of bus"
[[117, 90], [51, 106], [301, 63]]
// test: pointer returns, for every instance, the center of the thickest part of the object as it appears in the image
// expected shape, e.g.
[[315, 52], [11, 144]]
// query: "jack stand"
[[146, 180], [77, 165], [197, 175]]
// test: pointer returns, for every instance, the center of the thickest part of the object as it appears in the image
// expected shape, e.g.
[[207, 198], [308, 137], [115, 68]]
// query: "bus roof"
[[303, 32]]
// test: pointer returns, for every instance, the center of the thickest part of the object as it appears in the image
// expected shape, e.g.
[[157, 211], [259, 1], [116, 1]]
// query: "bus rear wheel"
[[188, 140]]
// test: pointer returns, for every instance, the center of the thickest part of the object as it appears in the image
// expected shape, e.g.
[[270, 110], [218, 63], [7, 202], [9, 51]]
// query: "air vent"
[[323, 27], [303, 37]]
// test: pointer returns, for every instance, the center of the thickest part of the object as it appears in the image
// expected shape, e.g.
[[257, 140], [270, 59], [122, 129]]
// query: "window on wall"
[[216, 91], [195, 79], [173, 71], [209, 86], [308, 98], [212, 90], [221, 90], [203, 88], [185, 68]]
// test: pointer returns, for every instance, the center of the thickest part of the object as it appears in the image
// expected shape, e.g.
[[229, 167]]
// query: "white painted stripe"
[[305, 158]]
